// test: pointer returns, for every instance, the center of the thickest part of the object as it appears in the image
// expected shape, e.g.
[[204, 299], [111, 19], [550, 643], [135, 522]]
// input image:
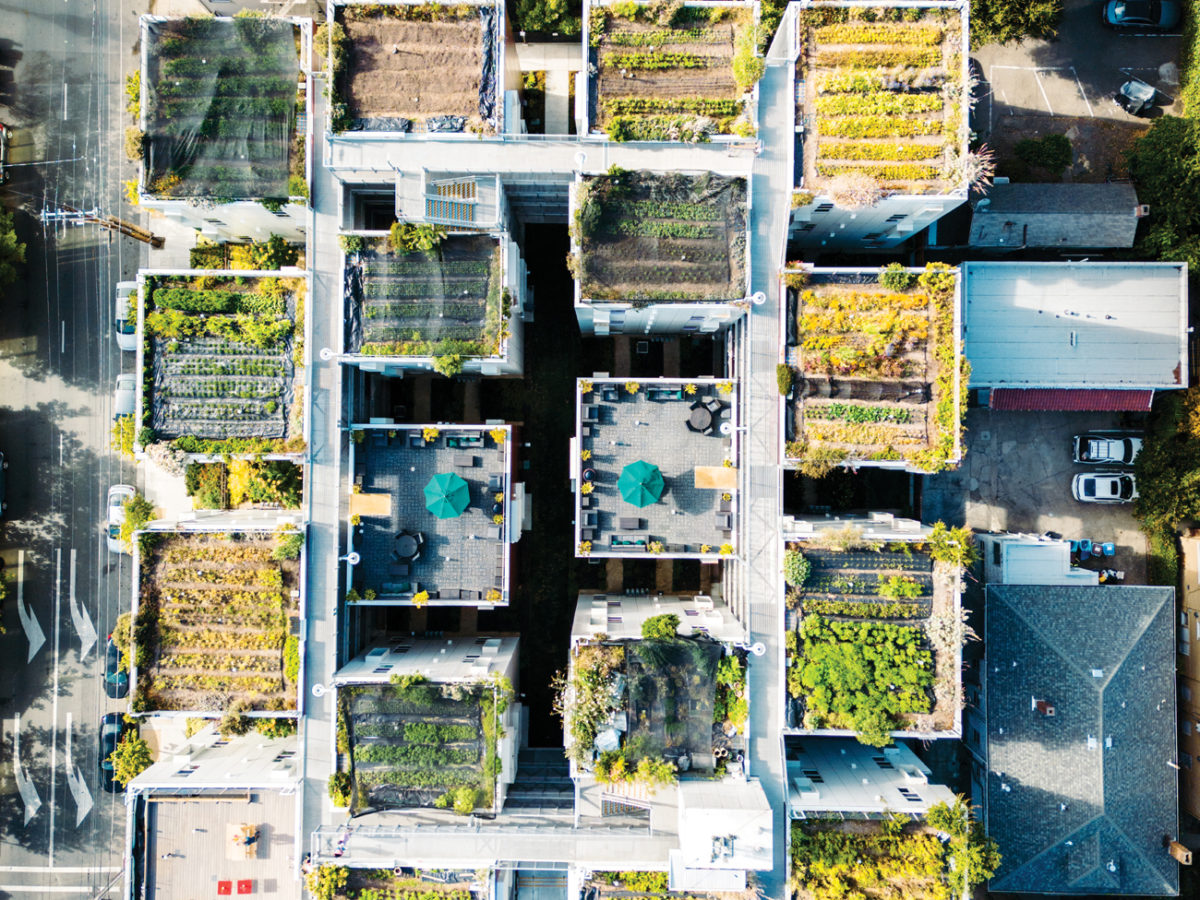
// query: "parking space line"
[[1083, 93]]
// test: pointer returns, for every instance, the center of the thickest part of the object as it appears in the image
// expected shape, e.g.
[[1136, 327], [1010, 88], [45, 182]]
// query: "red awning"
[[1069, 400]]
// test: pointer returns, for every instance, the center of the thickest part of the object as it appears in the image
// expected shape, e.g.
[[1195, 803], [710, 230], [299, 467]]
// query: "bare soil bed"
[[663, 237], [214, 617], [414, 70]]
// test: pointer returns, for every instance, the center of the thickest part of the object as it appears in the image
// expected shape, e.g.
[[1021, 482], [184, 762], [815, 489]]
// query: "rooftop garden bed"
[[681, 698], [892, 858], [646, 237], [244, 484], [876, 636], [672, 72], [429, 67], [328, 882], [872, 369], [413, 743], [216, 622], [445, 301], [221, 357], [222, 101], [883, 93]]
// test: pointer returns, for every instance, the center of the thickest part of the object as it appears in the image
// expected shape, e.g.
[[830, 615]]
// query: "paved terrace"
[[634, 427], [189, 845], [465, 553]]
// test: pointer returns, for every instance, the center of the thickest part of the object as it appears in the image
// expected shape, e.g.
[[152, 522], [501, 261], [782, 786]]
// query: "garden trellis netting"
[[448, 299], [669, 697], [220, 107]]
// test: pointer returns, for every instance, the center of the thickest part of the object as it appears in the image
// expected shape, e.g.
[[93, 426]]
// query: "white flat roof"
[[841, 775], [1081, 325], [445, 660], [620, 616], [725, 825], [1041, 562]]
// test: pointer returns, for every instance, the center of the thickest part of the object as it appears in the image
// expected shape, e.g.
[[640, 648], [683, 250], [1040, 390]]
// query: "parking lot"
[[1017, 477], [1066, 86]]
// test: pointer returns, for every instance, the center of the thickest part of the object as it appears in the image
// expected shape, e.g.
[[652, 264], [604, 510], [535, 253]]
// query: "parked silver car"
[[1114, 448], [126, 316], [117, 495], [125, 399]]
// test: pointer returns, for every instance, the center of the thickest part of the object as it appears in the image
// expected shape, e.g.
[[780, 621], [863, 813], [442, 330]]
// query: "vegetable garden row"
[[214, 623], [219, 356], [222, 98], [671, 74], [894, 126]]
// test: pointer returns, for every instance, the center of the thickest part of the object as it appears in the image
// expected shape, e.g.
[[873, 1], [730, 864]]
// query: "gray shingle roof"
[[1079, 801], [1055, 215]]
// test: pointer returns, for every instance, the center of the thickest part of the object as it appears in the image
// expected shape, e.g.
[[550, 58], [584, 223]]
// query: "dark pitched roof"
[[1079, 801], [1070, 399], [1055, 215]]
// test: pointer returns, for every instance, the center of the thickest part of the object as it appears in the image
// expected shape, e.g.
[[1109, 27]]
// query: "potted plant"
[[420, 598]]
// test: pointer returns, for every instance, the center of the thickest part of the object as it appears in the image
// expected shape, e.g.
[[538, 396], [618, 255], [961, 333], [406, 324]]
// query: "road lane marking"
[[29, 623], [75, 781], [80, 619], [54, 705], [25, 786]]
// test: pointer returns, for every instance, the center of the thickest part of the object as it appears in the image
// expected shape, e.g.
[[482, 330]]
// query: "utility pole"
[[72, 216]]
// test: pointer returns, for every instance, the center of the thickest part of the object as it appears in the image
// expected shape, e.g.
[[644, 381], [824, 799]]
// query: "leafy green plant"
[[900, 587], [131, 757], [955, 546], [408, 238], [339, 789], [662, 627], [895, 277], [883, 103], [796, 568], [327, 882], [748, 66], [288, 545], [291, 658], [1052, 152], [875, 126], [138, 511], [1008, 21], [123, 433], [785, 377]]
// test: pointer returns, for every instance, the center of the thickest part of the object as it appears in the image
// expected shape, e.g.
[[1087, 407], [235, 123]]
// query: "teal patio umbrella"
[[447, 495], [640, 483]]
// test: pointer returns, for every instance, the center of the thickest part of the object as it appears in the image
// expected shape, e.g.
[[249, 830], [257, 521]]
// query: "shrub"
[[955, 546], [352, 243], [406, 238], [461, 799], [784, 378], [123, 433], [339, 791], [130, 758], [288, 545], [291, 658], [748, 66], [449, 364], [275, 728], [135, 143], [661, 628], [1162, 165], [796, 568], [1006, 21], [235, 721], [895, 277], [133, 94], [138, 511]]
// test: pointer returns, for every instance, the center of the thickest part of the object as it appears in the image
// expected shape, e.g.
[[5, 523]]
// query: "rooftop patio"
[[444, 541], [661, 465]]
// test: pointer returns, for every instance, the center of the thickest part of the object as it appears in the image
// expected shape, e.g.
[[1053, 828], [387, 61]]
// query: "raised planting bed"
[[876, 640], [885, 100], [245, 484], [221, 103], [215, 623], [430, 67], [646, 237], [875, 371], [446, 300], [669, 73], [220, 360], [421, 744]]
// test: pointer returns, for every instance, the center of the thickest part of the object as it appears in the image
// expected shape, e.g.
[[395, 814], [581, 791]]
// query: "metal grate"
[[450, 210]]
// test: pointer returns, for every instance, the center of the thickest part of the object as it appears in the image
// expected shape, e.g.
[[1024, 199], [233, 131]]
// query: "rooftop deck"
[[221, 108], [459, 561], [190, 849], [680, 434]]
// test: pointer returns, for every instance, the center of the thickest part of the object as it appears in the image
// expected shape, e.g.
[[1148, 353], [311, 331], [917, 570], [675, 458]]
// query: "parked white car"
[[1104, 487], [1112, 448], [126, 316], [125, 401], [117, 495]]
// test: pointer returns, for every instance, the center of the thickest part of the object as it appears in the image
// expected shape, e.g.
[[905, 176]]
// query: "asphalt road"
[[61, 74]]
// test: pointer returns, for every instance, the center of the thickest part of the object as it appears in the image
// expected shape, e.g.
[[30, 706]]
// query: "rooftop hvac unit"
[[1181, 853], [1045, 708]]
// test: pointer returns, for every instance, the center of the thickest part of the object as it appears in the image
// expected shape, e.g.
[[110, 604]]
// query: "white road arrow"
[[25, 786], [76, 784], [29, 622], [80, 619]]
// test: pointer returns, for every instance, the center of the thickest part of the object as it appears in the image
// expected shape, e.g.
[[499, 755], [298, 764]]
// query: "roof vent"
[[1004, 787], [1092, 742], [1097, 673], [1141, 210], [1044, 707], [1108, 743]]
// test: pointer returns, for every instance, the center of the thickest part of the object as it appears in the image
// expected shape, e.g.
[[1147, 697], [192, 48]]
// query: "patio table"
[[406, 546], [700, 418], [629, 523]]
